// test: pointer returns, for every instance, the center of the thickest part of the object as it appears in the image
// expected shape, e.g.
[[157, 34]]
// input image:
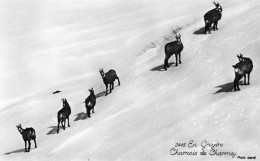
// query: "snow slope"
[[48, 46]]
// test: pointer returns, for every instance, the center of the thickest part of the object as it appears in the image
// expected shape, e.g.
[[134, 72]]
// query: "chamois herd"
[[242, 69]]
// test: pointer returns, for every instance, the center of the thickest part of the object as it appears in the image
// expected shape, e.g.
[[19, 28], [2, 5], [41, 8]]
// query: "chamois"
[[213, 16], [243, 67], [90, 102], [28, 135], [109, 78], [171, 48], [64, 114]]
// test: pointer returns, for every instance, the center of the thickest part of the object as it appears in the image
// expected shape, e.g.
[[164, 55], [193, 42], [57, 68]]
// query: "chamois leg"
[[235, 87], [216, 25], [68, 121], [237, 84], [248, 77], [35, 145], [176, 57], [245, 79], [63, 125], [29, 145], [88, 112], [110, 88], [106, 88], [25, 149], [166, 65], [93, 110], [180, 58], [58, 126], [113, 86], [207, 27], [118, 81]]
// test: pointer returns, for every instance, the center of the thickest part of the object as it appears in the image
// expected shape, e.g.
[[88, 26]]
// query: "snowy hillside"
[[60, 45]]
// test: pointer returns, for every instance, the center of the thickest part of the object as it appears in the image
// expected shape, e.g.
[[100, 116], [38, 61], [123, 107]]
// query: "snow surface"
[[60, 45]]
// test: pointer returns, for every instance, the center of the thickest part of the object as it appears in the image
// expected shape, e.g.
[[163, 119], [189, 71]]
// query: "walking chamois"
[[109, 78], [28, 135], [171, 48], [64, 114], [213, 16], [242, 68], [90, 102]]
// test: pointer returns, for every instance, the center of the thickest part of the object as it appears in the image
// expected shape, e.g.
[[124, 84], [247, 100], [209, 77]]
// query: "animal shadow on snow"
[[101, 94], [53, 130], [81, 116], [161, 67], [201, 31], [228, 87], [16, 151]]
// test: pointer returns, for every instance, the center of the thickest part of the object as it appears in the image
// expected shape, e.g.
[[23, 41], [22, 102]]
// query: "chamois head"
[[64, 101], [178, 38], [91, 91], [19, 127], [101, 71], [218, 7], [240, 57]]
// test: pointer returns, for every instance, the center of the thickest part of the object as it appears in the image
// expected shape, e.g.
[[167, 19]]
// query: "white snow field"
[[60, 45]]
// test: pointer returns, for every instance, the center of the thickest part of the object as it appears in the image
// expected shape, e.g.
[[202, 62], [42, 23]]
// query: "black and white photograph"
[[138, 80]]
